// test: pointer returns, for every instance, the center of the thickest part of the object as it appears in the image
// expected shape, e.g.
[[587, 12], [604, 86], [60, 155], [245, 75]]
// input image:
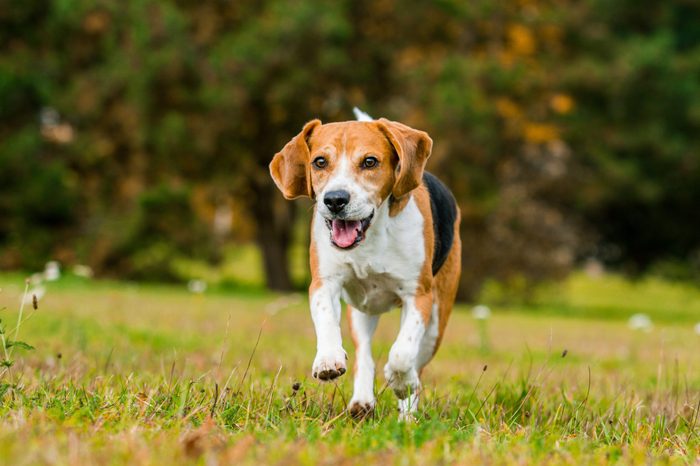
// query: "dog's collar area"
[[346, 234]]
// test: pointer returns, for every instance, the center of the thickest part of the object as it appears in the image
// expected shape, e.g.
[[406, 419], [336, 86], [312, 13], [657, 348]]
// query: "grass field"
[[131, 374]]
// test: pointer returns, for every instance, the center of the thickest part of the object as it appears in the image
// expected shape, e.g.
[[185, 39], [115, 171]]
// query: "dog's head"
[[351, 168]]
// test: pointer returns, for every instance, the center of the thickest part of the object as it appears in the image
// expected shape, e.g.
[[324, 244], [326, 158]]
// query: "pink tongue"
[[345, 232]]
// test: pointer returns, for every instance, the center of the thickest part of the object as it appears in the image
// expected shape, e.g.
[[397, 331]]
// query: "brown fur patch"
[[290, 166], [447, 281], [412, 147], [397, 205], [316, 280], [401, 151], [424, 292]]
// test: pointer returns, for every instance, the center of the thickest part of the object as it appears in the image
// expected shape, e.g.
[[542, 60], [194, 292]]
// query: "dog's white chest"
[[384, 269], [373, 293]]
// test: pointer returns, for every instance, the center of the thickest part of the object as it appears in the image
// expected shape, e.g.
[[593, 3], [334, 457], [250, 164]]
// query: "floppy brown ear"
[[290, 166], [413, 148]]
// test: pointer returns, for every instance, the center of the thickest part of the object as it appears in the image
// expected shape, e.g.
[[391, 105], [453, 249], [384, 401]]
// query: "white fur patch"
[[408, 406], [360, 115], [363, 327], [429, 340], [401, 369], [330, 361], [381, 270]]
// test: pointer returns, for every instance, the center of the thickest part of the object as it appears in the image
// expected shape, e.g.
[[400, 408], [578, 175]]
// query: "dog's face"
[[351, 168]]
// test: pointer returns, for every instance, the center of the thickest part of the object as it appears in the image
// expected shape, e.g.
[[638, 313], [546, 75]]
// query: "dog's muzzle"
[[346, 234]]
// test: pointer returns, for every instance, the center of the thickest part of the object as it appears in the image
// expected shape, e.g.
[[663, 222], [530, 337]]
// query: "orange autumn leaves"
[[538, 132], [521, 43]]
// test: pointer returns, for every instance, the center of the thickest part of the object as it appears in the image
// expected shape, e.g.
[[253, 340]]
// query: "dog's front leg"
[[330, 361], [401, 370], [362, 327]]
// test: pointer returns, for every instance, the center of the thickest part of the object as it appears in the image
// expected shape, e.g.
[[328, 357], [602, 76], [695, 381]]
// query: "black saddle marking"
[[444, 209]]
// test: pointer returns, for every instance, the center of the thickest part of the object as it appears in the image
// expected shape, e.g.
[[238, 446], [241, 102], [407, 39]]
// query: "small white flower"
[[83, 271], [697, 328], [640, 322], [481, 312], [52, 271], [36, 279], [49, 116], [38, 290], [197, 286]]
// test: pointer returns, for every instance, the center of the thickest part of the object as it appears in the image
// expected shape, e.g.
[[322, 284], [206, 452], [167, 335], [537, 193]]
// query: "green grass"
[[132, 374]]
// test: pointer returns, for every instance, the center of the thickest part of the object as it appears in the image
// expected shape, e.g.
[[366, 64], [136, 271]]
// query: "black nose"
[[336, 200]]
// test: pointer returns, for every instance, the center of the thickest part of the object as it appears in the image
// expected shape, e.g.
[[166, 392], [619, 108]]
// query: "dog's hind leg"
[[362, 327]]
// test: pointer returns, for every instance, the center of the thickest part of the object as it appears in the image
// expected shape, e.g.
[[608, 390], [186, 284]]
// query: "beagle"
[[384, 234]]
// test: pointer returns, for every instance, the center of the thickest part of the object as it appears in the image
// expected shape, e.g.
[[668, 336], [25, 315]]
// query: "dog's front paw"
[[361, 409], [329, 365], [402, 378]]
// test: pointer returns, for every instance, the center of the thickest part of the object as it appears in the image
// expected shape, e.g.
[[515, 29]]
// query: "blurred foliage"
[[152, 246], [636, 128], [136, 135]]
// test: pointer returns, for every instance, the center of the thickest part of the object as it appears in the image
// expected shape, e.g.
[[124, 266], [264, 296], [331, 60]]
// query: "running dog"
[[384, 234]]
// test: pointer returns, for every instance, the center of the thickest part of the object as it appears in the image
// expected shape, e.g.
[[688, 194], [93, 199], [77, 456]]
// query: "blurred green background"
[[135, 135]]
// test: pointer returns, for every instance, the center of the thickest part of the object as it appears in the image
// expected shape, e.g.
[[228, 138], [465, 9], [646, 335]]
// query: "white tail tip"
[[360, 115]]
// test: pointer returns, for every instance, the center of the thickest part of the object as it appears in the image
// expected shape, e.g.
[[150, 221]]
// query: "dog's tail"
[[360, 115]]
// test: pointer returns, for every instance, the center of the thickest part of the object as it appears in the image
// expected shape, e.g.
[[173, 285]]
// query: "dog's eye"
[[320, 162], [370, 162]]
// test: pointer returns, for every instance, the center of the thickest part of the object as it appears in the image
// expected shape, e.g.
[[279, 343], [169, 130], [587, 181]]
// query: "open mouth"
[[346, 234]]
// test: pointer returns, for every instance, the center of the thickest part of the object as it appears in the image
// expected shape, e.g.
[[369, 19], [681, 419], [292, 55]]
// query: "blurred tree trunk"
[[274, 219]]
